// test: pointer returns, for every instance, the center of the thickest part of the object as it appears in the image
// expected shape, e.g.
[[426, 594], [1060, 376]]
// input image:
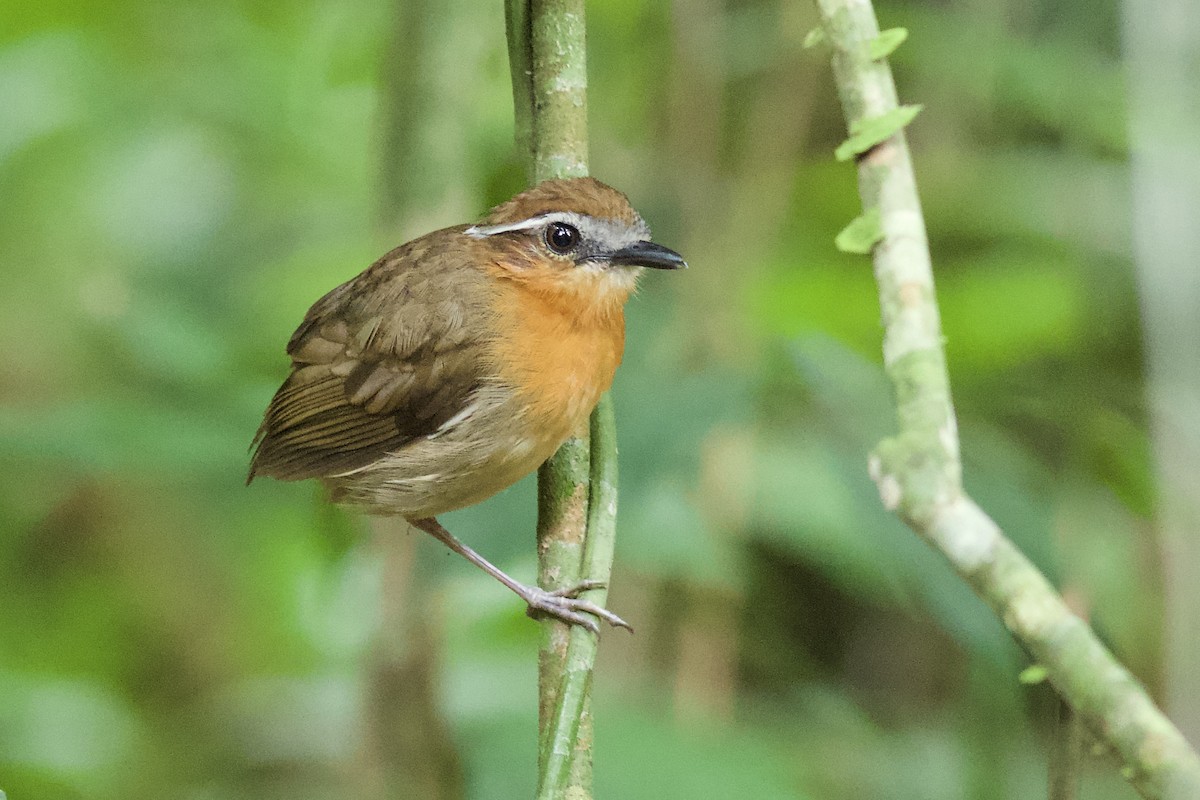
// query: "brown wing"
[[379, 362]]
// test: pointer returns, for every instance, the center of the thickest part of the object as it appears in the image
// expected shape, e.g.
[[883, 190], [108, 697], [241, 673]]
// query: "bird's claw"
[[567, 606]]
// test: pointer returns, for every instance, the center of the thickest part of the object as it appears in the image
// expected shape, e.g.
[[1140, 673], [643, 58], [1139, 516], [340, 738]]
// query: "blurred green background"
[[180, 181]]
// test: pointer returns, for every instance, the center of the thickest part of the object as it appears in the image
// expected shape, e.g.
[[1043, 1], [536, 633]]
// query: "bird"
[[459, 362]]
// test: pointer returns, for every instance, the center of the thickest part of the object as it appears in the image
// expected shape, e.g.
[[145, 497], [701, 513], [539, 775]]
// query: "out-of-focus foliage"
[[181, 180]]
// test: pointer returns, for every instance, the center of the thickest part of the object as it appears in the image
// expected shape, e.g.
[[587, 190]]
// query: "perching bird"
[[459, 362]]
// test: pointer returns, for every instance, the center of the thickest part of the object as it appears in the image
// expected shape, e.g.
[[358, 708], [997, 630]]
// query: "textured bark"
[[919, 473]]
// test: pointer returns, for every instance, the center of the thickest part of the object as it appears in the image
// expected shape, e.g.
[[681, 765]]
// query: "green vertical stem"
[[559, 78], [918, 471], [577, 487], [565, 746]]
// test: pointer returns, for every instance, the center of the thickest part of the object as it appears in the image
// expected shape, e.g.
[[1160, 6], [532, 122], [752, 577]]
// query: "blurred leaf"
[[886, 43], [853, 393], [803, 498], [1030, 194], [163, 192], [867, 133], [171, 343], [67, 727], [1007, 307], [1119, 452], [1033, 674], [665, 535], [836, 298], [861, 235], [280, 719], [814, 37], [1058, 79], [41, 89]]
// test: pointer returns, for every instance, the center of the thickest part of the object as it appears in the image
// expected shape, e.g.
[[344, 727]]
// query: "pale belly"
[[485, 453]]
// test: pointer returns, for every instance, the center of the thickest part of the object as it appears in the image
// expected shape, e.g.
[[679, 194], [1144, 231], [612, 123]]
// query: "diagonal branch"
[[918, 471]]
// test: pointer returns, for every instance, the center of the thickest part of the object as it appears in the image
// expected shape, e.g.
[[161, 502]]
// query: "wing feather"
[[381, 361]]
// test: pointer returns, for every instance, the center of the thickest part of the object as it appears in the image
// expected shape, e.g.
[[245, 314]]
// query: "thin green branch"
[[919, 472], [577, 487], [566, 746]]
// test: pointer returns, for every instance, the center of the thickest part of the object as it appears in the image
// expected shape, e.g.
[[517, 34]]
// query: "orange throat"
[[559, 341]]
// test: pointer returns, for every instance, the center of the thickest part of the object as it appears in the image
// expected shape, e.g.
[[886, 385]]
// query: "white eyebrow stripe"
[[484, 231]]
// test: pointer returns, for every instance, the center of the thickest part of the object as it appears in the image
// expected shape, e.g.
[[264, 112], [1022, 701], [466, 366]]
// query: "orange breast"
[[558, 347]]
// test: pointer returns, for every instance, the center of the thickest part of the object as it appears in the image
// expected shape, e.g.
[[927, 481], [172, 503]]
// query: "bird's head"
[[576, 236]]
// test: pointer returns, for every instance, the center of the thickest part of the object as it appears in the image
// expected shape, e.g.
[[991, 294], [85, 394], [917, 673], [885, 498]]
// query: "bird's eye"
[[561, 237]]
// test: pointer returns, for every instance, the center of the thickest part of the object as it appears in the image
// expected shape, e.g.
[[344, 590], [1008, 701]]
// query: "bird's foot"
[[565, 604], [562, 603]]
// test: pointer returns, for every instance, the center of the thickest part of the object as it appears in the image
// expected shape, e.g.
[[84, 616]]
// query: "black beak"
[[648, 254]]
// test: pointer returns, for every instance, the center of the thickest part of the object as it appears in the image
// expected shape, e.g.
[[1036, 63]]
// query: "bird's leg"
[[562, 603]]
